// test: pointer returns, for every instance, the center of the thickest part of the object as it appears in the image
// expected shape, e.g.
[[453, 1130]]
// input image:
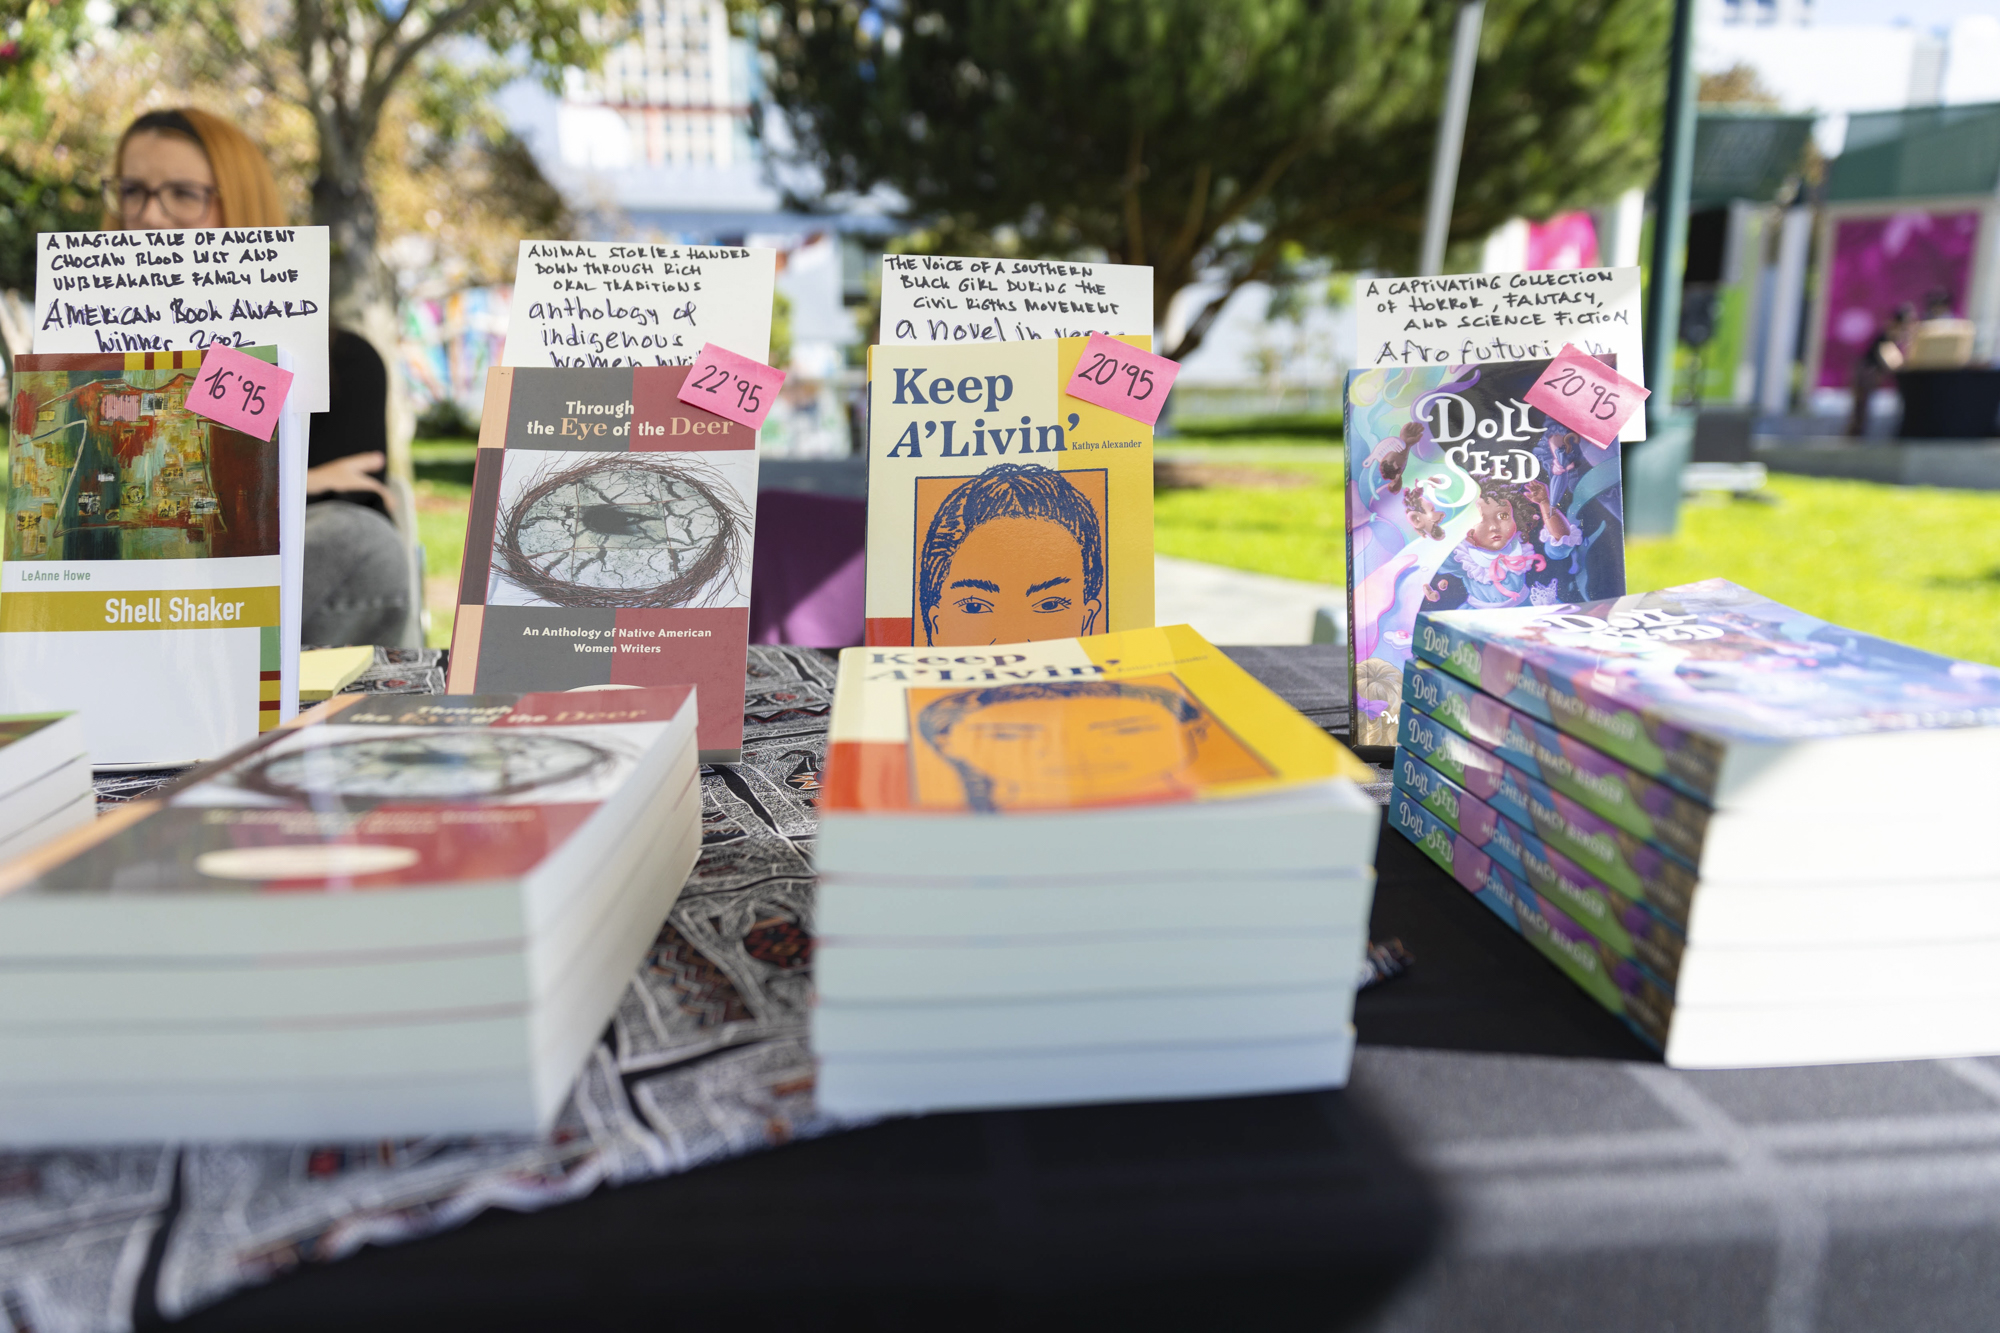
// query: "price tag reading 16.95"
[[732, 385], [1116, 375], [239, 391]]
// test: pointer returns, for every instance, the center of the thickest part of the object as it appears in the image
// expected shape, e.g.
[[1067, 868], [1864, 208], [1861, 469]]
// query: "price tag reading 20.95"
[[732, 385], [1116, 375], [1586, 395], [239, 391]]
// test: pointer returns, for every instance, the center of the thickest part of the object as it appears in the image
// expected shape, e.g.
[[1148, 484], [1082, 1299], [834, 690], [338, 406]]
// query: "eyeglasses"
[[184, 202]]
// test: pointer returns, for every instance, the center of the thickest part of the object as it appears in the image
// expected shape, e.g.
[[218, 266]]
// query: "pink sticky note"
[[1130, 382], [1586, 395], [732, 386], [239, 391]]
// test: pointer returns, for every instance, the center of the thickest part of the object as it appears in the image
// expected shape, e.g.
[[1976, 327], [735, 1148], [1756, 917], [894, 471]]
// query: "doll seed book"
[[1085, 869], [1739, 702], [153, 559], [406, 915], [1001, 510], [608, 542], [1461, 495]]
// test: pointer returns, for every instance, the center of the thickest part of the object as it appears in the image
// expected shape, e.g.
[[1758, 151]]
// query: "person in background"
[[1882, 358], [185, 168]]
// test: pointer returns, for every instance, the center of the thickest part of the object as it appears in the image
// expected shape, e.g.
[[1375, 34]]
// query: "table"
[[1507, 1157], [1958, 404]]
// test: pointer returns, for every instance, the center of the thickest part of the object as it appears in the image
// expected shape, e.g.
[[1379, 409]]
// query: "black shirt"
[[357, 417]]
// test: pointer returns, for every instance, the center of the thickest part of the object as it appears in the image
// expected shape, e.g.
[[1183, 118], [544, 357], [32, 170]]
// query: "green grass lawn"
[[444, 492]]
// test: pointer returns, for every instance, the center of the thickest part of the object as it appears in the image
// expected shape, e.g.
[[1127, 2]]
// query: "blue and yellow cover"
[[1459, 494]]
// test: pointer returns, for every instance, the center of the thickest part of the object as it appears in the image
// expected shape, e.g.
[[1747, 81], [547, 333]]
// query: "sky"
[[1921, 13]]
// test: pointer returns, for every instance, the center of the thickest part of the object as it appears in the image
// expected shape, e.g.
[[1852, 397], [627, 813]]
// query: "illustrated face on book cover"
[[108, 464], [619, 530], [1012, 555], [1461, 495], [1067, 744]]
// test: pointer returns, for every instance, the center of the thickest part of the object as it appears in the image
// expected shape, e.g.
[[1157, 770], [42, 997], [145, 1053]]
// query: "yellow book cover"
[[1000, 509], [1140, 717]]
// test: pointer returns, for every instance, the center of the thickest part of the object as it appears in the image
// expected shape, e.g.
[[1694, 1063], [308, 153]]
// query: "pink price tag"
[[1586, 395], [1130, 382], [731, 386], [239, 391]]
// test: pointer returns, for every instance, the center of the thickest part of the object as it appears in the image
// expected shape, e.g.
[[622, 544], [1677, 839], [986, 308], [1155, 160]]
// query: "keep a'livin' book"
[[153, 559], [1001, 510], [1461, 495], [608, 543]]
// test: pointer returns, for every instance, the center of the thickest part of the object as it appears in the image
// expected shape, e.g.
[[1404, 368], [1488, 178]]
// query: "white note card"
[[952, 299], [1470, 318], [165, 291], [618, 303]]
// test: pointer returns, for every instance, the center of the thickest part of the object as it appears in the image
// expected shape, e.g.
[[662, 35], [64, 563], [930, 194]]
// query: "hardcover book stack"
[[44, 780], [1088, 869], [412, 916], [1720, 817]]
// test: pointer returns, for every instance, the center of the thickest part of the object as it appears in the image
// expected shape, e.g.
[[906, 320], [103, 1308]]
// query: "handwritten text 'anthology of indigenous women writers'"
[[608, 303], [1474, 319]]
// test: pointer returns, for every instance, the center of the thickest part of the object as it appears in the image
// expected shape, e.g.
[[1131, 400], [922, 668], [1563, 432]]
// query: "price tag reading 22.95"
[[1586, 395], [1116, 375], [732, 385], [239, 391]]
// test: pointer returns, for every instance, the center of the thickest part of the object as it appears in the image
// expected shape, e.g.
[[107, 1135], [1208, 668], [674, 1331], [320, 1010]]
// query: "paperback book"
[[44, 780], [1082, 870], [608, 542], [408, 915], [1459, 494], [153, 559], [1736, 700], [1000, 509]]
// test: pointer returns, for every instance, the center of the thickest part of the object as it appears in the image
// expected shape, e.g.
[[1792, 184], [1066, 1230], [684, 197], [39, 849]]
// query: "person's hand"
[[1538, 494], [347, 474]]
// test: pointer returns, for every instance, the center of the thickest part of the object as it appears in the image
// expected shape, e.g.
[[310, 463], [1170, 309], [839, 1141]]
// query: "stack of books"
[[1094, 869], [407, 916], [44, 780], [1730, 822]]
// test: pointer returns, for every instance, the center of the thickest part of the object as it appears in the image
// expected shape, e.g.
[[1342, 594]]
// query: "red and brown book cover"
[[608, 543], [376, 793]]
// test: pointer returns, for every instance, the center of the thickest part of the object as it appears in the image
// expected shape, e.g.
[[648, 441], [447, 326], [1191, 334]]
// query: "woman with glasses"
[[187, 168]]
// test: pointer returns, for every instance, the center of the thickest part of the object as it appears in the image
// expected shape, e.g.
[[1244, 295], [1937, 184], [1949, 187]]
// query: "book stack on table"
[[1091, 869], [1721, 817], [407, 916], [44, 780]]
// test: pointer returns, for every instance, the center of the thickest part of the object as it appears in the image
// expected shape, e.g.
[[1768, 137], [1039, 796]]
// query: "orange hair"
[[244, 186]]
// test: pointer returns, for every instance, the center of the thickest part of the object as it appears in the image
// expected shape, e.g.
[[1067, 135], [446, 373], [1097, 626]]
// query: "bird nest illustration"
[[448, 764], [632, 532]]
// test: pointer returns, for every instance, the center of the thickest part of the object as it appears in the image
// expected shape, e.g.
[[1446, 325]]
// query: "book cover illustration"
[[1663, 680], [1461, 495], [1001, 510], [608, 542], [1616, 981], [127, 514], [1434, 700], [388, 792], [1139, 717]]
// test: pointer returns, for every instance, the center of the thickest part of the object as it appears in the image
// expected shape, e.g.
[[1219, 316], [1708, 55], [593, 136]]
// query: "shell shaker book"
[[153, 559], [1001, 510], [1735, 699], [608, 542], [1088, 869], [409, 914], [1459, 494]]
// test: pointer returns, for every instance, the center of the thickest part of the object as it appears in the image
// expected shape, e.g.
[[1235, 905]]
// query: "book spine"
[[1688, 761], [1618, 983], [1650, 810], [1632, 927]]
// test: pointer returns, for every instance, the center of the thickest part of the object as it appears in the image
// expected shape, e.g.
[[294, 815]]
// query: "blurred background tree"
[[1212, 139]]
